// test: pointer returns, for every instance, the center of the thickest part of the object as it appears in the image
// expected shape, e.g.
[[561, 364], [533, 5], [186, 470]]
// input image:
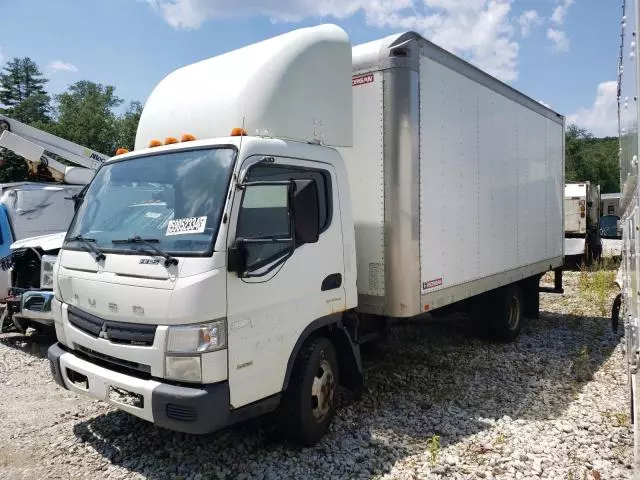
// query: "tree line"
[[85, 114], [588, 158]]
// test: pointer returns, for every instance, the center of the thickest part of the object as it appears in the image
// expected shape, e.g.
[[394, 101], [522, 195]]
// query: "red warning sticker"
[[362, 80], [432, 283]]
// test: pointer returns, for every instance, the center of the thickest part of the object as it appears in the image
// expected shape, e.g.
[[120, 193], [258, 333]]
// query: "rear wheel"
[[308, 405], [506, 314]]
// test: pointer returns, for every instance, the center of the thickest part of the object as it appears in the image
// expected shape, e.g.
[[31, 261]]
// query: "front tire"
[[308, 405]]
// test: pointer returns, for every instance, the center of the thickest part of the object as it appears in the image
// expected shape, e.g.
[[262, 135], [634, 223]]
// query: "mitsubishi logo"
[[103, 332]]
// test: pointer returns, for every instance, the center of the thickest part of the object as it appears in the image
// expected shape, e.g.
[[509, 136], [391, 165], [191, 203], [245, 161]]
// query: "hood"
[[52, 241]]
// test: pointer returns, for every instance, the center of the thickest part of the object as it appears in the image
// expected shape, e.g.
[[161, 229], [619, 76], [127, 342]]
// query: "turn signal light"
[[170, 140], [238, 132], [121, 151], [187, 137], [155, 143]]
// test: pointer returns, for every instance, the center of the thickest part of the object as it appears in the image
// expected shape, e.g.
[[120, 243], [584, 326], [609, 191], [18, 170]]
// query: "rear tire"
[[506, 314], [308, 405]]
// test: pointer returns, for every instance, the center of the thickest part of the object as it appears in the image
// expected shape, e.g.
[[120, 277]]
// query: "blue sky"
[[561, 52]]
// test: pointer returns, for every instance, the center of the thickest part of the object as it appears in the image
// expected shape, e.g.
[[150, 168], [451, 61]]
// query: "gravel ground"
[[440, 404]]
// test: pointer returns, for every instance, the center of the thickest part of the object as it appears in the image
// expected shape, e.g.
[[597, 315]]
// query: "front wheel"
[[308, 405]]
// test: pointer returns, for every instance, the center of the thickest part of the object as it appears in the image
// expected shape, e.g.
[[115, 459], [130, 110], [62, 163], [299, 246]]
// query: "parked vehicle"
[[581, 219], [34, 217], [626, 306], [610, 204], [317, 201]]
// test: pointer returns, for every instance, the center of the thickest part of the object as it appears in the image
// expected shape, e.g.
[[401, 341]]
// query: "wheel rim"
[[322, 391], [514, 312]]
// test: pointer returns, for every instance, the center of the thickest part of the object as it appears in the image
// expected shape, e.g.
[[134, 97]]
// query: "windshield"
[[175, 198]]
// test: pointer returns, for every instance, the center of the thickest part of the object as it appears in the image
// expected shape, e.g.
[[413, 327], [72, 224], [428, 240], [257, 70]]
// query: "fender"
[[348, 351]]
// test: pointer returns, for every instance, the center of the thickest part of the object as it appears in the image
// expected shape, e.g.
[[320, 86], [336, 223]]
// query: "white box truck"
[[610, 204], [582, 207], [297, 193]]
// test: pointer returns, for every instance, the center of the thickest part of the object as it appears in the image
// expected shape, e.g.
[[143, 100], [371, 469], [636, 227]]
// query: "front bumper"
[[33, 306], [197, 410]]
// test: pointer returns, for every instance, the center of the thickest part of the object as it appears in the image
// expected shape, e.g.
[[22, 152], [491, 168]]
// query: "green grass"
[[434, 448], [596, 286]]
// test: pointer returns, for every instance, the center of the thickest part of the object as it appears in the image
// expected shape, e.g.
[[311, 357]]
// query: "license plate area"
[[125, 397]]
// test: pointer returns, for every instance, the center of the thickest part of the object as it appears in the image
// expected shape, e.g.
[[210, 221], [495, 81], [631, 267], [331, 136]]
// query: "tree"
[[22, 91], [591, 159], [12, 168], [85, 116], [128, 126]]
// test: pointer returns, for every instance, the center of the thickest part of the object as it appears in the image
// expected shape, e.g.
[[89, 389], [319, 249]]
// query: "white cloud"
[[559, 39], [528, 21], [556, 34], [543, 103], [602, 118], [59, 65], [560, 12], [1, 56], [479, 30]]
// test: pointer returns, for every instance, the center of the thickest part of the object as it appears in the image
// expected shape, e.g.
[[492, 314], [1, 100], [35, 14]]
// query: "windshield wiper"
[[168, 259], [89, 243]]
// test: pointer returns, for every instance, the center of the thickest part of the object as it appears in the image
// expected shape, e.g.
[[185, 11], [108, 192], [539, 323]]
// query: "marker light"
[[121, 151], [238, 132], [187, 137], [170, 140], [155, 143]]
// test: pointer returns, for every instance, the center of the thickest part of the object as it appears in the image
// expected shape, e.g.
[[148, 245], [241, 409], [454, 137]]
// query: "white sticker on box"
[[183, 226]]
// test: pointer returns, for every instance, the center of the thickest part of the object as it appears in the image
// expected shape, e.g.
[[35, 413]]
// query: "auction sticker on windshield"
[[182, 226]]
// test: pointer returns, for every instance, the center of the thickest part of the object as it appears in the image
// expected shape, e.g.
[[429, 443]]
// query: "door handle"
[[331, 282]]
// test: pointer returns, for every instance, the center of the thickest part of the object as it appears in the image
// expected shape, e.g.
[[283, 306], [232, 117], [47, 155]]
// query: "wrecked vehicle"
[[33, 220]]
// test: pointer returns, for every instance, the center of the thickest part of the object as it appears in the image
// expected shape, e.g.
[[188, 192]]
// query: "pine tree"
[[22, 92]]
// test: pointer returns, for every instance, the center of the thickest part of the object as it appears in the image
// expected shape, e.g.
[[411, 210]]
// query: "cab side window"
[[272, 172], [264, 212]]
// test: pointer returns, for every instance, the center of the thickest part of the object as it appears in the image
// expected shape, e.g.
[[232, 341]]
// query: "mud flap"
[[4, 314]]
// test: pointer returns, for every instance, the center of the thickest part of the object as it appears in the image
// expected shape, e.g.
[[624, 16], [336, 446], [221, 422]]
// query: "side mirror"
[[305, 209]]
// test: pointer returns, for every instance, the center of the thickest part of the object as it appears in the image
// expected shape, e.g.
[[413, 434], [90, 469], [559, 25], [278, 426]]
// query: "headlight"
[[186, 369], [46, 271], [205, 337]]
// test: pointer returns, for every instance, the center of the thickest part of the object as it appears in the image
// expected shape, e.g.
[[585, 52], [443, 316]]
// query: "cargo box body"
[[456, 179]]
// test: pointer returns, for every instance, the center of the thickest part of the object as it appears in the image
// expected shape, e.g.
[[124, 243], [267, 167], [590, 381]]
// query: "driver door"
[[268, 313]]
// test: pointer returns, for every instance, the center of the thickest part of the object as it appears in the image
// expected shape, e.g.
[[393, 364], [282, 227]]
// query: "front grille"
[[116, 332], [181, 413], [109, 361]]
